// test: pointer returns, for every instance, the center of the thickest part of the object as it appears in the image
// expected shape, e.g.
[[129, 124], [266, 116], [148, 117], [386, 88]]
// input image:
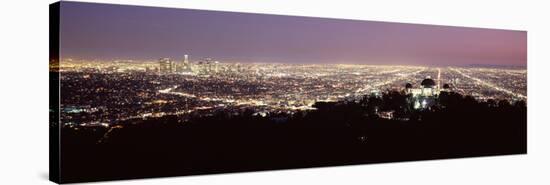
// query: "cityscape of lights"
[[103, 93]]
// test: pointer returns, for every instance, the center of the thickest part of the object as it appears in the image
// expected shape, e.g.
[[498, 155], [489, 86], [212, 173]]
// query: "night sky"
[[98, 31]]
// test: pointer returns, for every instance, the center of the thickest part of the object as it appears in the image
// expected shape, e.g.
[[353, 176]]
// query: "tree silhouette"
[[336, 133]]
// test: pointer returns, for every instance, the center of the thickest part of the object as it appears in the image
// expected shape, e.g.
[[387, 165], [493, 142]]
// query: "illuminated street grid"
[[109, 92]]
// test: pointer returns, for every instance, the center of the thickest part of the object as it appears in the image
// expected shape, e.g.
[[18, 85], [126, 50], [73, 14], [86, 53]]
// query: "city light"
[[114, 91]]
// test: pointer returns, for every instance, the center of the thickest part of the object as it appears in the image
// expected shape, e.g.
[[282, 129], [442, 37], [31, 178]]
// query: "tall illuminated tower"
[[186, 66], [186, 59]]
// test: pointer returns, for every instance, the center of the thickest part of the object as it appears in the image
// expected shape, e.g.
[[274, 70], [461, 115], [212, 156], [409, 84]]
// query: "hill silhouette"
[[336, 133]]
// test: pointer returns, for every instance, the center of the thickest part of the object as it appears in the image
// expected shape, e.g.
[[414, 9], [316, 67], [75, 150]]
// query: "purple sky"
[[99, 31]]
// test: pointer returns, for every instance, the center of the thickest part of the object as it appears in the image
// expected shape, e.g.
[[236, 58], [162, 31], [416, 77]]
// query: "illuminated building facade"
[[424, 96], [185, 67], [166, 66]]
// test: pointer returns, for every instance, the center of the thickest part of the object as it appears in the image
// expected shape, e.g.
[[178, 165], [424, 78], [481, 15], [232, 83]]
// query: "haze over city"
[[144, 33]]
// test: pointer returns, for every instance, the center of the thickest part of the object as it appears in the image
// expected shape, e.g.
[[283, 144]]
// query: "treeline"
[[337, 133]]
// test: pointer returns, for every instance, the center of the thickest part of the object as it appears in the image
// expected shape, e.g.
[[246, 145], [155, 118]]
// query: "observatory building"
[[425, 95]]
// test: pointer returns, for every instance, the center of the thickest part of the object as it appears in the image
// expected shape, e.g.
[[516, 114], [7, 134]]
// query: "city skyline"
[[259, 38], [140, 92]]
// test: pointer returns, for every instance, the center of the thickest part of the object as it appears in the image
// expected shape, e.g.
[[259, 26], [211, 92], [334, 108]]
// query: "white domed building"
[[424, 96]]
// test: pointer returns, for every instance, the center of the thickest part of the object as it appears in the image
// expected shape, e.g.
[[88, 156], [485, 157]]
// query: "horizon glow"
[[105, 31]]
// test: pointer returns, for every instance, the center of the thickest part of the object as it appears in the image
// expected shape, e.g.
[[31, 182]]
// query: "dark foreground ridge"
[[337, 133]]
